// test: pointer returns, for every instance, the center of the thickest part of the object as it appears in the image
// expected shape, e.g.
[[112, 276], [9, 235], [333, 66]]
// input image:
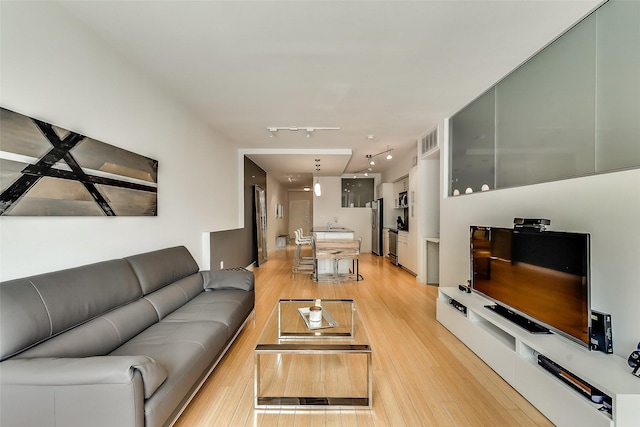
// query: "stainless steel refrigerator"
[[376, 227]]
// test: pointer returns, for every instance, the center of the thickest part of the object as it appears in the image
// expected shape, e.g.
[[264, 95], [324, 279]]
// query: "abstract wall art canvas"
[[49, 171]]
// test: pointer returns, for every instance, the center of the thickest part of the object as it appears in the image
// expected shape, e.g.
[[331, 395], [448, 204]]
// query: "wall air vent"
[[429, 143]]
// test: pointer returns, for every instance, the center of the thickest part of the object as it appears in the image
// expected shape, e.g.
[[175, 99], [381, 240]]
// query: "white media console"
[[512, 353]]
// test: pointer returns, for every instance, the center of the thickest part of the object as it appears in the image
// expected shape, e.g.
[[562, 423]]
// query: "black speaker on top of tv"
[[538, 224]]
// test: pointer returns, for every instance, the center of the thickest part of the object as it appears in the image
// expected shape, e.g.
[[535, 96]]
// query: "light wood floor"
[[422, 374]]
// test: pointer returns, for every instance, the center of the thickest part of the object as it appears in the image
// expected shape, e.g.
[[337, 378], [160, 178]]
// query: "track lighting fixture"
[[309, 129], [370, 159]]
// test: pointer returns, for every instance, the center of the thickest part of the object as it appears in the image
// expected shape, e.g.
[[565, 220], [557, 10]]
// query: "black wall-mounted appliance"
[[403, 200]]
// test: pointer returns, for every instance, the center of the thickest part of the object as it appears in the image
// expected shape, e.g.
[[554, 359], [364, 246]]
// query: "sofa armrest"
[[83, 371], [228, 279]]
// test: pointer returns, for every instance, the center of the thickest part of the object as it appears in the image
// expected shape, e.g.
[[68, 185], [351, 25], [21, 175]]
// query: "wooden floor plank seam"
[[422, 375]]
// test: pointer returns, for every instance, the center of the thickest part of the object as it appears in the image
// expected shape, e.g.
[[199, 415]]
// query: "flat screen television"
[[538, 279]]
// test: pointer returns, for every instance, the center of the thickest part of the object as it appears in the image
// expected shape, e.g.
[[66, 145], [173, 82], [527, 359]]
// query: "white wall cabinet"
[[512, 353], [407, 252], [411, 260], [403, 247], [412, 249]]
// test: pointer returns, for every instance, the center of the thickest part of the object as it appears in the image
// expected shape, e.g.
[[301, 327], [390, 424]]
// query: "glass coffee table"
[[303, 364]]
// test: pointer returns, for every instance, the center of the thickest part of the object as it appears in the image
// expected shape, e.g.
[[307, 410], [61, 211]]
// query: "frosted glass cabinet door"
[[618, 86], [545, 113], [571, 110], [472, 146]]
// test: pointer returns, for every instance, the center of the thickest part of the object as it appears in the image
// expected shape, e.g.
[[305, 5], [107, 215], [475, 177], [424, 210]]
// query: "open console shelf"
[[556, 387]]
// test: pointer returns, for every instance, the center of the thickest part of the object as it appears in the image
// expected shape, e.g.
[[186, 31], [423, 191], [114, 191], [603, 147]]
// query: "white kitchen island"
[[325, 267]]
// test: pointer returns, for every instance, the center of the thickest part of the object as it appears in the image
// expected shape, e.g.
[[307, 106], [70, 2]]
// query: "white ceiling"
[[393, 69]]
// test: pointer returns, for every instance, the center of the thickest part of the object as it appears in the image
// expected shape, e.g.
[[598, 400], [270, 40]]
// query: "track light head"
[[309, 129]]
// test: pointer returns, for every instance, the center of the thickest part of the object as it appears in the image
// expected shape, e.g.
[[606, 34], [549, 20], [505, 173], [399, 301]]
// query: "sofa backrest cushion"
[[100, 336], [159, 268], [175, 295], [35, 308]]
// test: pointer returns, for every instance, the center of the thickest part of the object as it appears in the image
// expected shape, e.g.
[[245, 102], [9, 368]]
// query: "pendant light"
[[316, 187]]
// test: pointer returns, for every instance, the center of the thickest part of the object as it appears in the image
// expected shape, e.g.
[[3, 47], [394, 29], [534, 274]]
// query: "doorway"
[[300, 216]]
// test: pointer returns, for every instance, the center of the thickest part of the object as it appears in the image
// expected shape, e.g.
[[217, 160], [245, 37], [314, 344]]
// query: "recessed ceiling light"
[[370, 136]]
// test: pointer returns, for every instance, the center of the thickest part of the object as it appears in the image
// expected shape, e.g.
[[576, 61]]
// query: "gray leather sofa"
[[125, 342]]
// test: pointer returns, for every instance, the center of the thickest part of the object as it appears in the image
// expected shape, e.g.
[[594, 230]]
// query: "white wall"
[[54, 69], [402, 162], [607, 206], [329, 205]]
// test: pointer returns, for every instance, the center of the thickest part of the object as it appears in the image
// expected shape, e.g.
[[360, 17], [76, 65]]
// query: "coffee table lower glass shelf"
[[298, 365]]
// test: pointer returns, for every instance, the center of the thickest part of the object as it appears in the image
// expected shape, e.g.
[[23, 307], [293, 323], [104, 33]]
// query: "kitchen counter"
[[396, 229], [326, 266], [341, 233], [324, 229]]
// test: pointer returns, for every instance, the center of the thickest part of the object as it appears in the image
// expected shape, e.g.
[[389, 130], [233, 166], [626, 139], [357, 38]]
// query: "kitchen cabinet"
[[403, 248], [407, 252], [411, 259], [411, 262]]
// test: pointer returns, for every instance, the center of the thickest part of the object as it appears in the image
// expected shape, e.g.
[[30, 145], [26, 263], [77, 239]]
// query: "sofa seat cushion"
[[185, 350], [229, 307]]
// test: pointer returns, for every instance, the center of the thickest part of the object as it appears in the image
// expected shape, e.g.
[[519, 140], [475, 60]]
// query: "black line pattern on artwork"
[[44, 167]]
